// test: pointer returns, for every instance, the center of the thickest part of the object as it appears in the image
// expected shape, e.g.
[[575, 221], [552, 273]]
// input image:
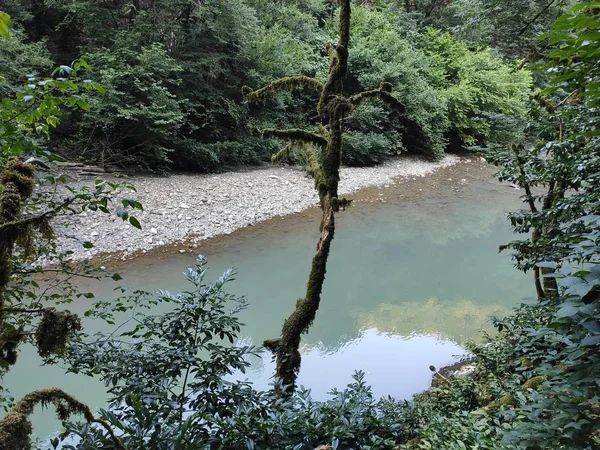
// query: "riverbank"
[[193, 208]]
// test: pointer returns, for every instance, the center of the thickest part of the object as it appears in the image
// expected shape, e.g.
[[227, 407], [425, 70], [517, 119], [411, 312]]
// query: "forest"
[[161, 90]]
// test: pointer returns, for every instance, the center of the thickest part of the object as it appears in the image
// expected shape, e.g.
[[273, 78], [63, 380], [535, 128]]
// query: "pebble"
[[223, 203]]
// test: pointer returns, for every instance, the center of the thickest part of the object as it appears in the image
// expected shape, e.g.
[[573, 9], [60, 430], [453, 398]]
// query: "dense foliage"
[[173, 74], [544, 362]]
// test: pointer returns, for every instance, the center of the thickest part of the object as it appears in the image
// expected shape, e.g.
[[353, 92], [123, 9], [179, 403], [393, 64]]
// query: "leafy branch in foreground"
[[175, 380], [560, 170], [27, 249], [322, 150]]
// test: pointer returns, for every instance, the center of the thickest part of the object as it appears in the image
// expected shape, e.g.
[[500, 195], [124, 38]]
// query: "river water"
[[414, 273]]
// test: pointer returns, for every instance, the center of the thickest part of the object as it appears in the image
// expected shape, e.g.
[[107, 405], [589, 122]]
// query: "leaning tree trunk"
[[545, 284], [324, 167], [332, 108]]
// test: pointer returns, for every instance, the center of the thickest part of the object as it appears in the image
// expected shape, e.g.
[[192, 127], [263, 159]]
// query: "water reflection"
[[459, 321], [393, 365]]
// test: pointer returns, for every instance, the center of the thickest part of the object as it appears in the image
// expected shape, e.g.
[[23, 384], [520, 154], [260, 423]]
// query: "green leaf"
[[591, 340], [82, 104], [567, 310], [99, 88], [5, 25], [133, 221]]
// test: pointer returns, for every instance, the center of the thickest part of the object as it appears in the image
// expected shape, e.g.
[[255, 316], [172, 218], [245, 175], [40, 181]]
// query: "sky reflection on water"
[[393, 365]]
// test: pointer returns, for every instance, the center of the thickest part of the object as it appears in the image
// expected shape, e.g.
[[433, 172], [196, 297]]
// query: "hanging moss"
[[384, 96], [312, 163], [54, 331], [9, 341], [18, 182], [283, 155], [17, 185]]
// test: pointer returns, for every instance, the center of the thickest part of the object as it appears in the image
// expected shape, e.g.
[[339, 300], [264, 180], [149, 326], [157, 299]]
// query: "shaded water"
[[414, 272]]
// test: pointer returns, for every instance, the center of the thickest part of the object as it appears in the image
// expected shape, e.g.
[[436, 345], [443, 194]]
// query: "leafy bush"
[[481, 91], [372, 140], [534, 386], [19, 59], [138, 118], [379, 54], [197, 156], [172, 383], [276, 52]]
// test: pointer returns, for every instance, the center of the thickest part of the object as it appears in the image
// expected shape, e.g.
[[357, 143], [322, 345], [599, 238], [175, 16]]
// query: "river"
[[414, 272]]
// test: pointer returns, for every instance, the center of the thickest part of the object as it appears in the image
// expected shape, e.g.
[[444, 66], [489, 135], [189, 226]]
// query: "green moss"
[[15, 427], [533, 383], [54, 331], [282, 155], [17, 181], [510, 399], [282, 84], [296, 136]]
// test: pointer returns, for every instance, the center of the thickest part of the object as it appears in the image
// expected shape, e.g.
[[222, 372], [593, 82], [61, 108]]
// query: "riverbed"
[[414, 273], [198, 207]]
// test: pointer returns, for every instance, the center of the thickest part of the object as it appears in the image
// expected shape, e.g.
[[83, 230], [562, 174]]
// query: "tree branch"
[[313, 167], [283, 84], [384, 95], [413, 138], [15, 427], [525, 183], [63, 271], [296, 135], [536, 17], [36, 220], [24, 311]]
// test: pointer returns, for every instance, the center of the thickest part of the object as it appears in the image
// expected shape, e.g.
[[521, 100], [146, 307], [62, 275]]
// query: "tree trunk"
[[332, 108], [288, 354]]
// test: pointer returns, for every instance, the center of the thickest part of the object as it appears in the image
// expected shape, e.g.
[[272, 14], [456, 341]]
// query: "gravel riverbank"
[[197, 207]]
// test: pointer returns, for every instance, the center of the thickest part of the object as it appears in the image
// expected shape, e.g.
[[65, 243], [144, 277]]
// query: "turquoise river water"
[[414, 272]]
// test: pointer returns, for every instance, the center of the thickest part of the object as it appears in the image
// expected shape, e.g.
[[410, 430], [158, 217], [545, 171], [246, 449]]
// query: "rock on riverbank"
[[181, 207]]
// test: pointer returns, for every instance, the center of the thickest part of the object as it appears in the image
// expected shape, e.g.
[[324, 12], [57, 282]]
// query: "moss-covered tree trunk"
[[17, 185], [324, 166], [332, 107]]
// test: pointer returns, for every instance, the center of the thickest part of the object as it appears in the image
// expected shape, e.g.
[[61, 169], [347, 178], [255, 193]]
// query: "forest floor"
[[191, 208]]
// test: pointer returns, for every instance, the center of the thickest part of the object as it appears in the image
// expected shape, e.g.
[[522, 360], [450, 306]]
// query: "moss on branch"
[[15, 427], [384, 95], [54, 331], [296, 135], [282, 84], [312, 163], [55, 328]]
